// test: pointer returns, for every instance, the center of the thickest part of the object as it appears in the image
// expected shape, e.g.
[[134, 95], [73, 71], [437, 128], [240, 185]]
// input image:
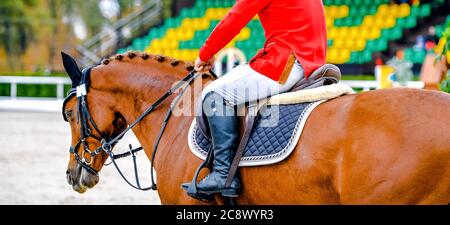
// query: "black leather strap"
[[250, 121]]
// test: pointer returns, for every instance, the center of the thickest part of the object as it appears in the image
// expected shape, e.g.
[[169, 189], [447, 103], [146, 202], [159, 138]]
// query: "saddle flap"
[[242, 112]]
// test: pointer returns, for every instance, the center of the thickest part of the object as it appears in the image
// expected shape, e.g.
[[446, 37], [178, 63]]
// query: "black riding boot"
[[222, 122]]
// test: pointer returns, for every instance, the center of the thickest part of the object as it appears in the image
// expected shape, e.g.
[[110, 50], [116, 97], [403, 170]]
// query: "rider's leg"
[[237, 87]]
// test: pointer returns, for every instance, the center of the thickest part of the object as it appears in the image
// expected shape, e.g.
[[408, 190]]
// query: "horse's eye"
[[68, 114]]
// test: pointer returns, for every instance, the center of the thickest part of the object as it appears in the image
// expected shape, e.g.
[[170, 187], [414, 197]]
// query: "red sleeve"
[[230, 26]]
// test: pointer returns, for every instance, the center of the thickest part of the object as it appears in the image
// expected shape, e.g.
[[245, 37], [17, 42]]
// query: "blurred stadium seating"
[[417, 55], [356, 29]]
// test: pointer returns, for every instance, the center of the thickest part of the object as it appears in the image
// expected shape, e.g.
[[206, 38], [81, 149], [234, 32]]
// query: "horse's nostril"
[[69, 177]]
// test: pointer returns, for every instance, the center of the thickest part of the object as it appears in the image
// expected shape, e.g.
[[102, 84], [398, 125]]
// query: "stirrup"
[[192, 190]]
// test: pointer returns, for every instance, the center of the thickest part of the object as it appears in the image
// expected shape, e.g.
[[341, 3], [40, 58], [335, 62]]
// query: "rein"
[[108, 142]]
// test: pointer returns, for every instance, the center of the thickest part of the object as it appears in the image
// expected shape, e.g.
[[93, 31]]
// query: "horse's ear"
[[72, 69]]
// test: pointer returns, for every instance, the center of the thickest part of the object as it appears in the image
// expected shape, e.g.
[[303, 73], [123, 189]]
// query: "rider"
[[295, 46]]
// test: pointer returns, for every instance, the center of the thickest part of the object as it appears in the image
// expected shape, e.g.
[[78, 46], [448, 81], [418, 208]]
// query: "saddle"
[[327, 74]]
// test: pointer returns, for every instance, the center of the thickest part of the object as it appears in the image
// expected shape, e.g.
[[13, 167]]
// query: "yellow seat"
[[350, 44], [343, 32], [405, 10], [244, 34], [389, 22], [379, 22], [333, 33], [354, 32], [173, 44], [394, 9], [342, 11], [364, 33], [383, 10], [337, 43], [216, 13], [332, 11], [187, 22], [203, 24], [171, 33], [374, 34], [156, 44], [369, 21], [329, 22], [360, 44]]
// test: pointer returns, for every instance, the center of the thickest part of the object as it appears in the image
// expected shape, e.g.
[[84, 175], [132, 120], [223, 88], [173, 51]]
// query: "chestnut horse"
[[378, 147]]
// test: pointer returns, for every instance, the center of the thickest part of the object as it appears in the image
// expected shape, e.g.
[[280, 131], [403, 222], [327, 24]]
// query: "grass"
[[358, 77]]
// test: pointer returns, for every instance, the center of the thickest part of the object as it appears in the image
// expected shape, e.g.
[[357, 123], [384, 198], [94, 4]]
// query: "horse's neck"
[[146, 89]]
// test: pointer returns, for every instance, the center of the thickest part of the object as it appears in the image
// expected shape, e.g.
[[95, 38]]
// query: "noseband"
[[85, 118]]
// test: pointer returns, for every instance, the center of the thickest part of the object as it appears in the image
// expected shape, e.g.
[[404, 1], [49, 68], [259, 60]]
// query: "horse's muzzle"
[[87, 179], [80, 179]]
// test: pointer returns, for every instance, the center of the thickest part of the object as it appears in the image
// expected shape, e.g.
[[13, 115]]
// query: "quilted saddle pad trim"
[[261, 160]]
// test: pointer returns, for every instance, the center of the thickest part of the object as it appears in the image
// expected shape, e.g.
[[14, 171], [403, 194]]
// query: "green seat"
[[419, 56], [339, 23], [329, 43], [367, 2], [338, 2], [228, 3], [408, 54], [184, 45], [397, 33], [425, 10], [414, 11], [410, 22], [355, 58], [200, 4], [401, 22], [371, 45], [387, 33], [439, 30], [348, 21], [373, 9], [378, 2], [358, 2], [198, 12], [348, 2], [382, 45], [363, 11], [367, 57]]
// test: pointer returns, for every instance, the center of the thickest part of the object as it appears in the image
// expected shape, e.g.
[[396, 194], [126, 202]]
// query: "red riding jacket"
[[292, 28]]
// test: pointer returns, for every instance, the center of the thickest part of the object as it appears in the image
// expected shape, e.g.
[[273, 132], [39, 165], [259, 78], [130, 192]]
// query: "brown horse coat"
[[378, 147]]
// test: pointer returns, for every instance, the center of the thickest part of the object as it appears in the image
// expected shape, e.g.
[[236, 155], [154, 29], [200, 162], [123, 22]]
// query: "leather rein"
[[108, 143]]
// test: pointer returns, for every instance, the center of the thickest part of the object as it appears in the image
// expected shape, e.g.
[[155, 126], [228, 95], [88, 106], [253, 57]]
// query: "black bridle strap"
[[164, 125], [126, 154], [151, 108], [86, 132], [153, 186]]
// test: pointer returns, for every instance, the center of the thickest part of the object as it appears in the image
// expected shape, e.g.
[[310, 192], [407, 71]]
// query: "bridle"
[[108, 142]]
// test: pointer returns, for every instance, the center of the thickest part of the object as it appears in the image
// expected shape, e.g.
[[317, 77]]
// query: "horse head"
[[93, 120]]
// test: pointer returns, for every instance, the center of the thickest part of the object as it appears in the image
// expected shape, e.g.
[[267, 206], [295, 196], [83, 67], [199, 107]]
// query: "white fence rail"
[[13, 102], [368, 85], [14, 80]]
